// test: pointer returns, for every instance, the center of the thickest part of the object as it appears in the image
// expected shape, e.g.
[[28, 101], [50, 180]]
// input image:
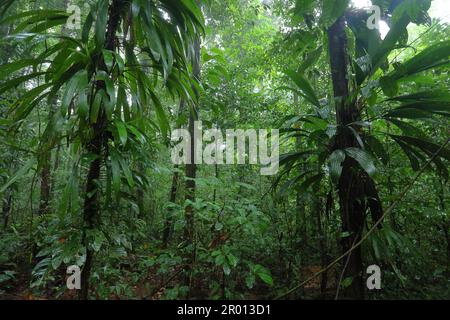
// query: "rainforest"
[[224, 150]]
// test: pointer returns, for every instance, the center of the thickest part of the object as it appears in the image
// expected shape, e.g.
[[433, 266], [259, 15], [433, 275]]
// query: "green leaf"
[[303, 84], [226, 269], [331, 10], [433, 56], [410, 153], [108, 57], [408, 113], [13, 83], [407, 128], [389, 86], [218, 226], [126, 170], [232, 259], [20, 173], [160, 116], [220, 259], [7, 69], [431, 101], [346, 282], [122, 131], [100, 23], [396, 31], [77, 83], [377, 148], [310, 181], [364, 159], [263, 273], [82, 106], [87, 27], [56, 262], [311, 58], [115, 170], [96, 104], [335, 165], [250, 280], [425, 145]]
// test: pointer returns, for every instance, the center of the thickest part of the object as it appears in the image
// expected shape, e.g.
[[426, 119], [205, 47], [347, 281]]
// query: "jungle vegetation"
[[90, 92]]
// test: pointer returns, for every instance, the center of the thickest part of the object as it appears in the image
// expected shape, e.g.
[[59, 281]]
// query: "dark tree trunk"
[[140, 195], [168, 224], [96, 147], [191, 168], [91, 210], [299, 201], [45, 180], [349, 186], [191, 171], [445, 221], [322, 244], [6, 209]]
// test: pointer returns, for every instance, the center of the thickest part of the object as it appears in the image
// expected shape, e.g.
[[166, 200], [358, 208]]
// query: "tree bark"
[[45, 185], [191, 171], [445, 221], [299, 201], [191, 168], [168, 223], [96, 147], [6, 209], [349, 186]]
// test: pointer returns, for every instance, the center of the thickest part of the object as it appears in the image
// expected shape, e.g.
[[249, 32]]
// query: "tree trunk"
[[322, 245], [6, 209], [96, 147], [349, 186], [191, 170], [445, 221], [140, 195], [168, 224], [46, 160], [299, 201], [45, 185]]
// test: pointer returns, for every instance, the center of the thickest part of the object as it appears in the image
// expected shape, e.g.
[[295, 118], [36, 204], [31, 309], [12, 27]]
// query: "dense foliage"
[[87, 108]]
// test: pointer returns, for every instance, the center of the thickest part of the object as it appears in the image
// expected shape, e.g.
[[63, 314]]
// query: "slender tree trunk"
[[168, 223], [191, 170], [45, 186], [216, 175], [140, 195], [349, 186], [51, 173], [91, 214], [322, 245], [299, 201], [46, 170], [445, 220], [6, 209]]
